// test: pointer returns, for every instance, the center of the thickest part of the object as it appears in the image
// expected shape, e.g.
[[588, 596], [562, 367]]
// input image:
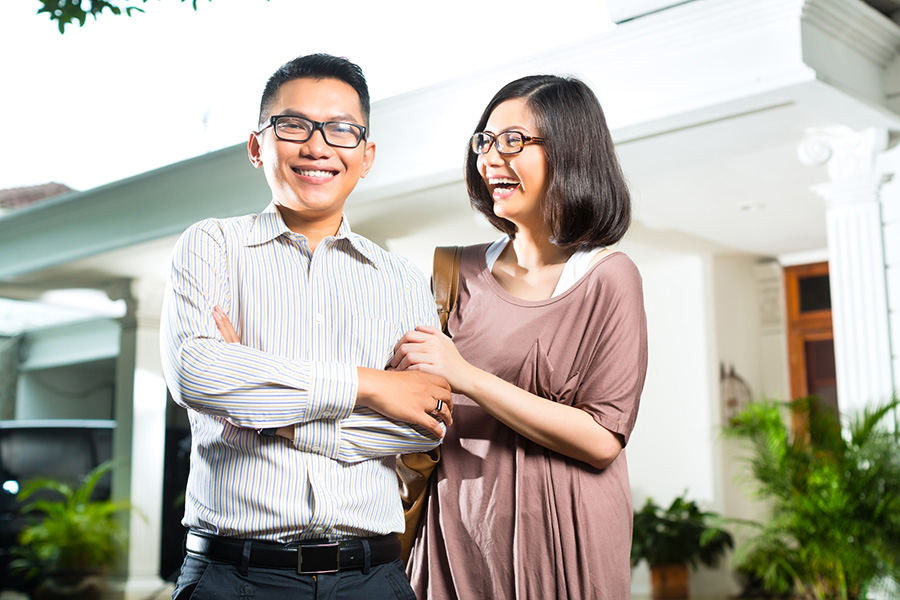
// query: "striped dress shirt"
[[306, 320]]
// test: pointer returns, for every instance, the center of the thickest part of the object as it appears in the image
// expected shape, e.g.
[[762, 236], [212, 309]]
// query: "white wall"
[[740, 343], [672, 449], [741, 288], [680, 384]]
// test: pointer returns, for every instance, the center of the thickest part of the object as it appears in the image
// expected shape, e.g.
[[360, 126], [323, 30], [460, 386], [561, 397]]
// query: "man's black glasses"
[[339, 134]]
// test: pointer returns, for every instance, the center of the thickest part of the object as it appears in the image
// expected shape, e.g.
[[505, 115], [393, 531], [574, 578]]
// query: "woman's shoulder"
[[616, 269], [473, 255]]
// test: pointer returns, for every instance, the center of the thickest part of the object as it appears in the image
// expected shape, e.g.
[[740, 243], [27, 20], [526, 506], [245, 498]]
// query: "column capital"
[[846, 153], [143, 298]]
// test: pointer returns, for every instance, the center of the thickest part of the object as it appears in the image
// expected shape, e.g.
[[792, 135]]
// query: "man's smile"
[[318, 174]]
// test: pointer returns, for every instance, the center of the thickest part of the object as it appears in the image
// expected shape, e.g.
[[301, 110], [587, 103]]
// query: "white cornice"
[[856, 24], [699, 26]]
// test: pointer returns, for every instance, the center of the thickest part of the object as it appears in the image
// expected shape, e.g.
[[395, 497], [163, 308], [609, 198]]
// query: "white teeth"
[[502, 181], [306, 173]]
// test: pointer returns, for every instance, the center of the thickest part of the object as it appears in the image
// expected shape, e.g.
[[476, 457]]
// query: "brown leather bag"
[[414, 470]]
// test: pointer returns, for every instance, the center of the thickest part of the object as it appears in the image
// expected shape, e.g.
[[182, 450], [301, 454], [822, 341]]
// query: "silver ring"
[[439, 406]]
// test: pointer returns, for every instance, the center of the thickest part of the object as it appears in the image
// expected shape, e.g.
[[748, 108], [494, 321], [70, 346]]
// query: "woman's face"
[[517, 182]]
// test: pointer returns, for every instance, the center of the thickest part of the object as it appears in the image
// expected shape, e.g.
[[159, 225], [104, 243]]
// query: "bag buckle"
[[313, 559]]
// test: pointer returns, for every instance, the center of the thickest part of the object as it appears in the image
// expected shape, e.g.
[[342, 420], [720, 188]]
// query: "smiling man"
[[294, 420]]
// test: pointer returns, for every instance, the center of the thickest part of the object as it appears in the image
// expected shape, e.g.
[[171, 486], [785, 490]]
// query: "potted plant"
[[73, 537], [674, 538], [834, 493]]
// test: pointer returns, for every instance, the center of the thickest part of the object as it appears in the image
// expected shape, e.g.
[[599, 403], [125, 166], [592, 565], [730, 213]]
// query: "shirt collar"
[[266, 226], [269, 225]]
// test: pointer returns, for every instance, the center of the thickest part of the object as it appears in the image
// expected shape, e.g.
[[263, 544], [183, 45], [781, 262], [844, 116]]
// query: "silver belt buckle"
[[314, 559]]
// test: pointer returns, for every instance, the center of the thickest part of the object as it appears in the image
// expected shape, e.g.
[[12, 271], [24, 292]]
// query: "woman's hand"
[[223, 324], [427, 349]]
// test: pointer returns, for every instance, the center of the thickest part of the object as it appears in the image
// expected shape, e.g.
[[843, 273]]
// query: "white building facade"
[[755, 134]]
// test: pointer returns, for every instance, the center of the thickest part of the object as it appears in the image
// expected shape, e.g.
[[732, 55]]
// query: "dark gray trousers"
[[203, 579]]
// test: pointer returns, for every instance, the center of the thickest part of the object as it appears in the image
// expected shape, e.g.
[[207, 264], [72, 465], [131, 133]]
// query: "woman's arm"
[[564, 429]]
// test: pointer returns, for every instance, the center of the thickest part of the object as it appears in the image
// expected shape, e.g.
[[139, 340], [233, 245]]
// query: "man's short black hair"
[[316, 66], [587, 203]]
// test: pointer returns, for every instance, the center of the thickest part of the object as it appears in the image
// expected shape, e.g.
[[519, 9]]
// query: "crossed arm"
[[404, 396], [334, 409]]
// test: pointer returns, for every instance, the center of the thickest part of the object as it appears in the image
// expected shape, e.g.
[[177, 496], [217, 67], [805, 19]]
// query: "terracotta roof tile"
[[13, 198]]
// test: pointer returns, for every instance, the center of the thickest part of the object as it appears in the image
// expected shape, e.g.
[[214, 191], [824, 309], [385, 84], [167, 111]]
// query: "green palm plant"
[[72, 531], [834, 492]]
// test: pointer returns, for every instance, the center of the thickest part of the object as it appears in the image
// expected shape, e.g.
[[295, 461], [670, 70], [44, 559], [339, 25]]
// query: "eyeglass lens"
[[509, 142], [336, 133]]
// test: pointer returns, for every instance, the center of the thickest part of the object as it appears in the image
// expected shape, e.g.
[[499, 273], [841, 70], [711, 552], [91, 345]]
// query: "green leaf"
[[834, 526], [679, 534], [69, 529]]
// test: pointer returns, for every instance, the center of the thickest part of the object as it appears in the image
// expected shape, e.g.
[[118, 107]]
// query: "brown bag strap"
[[445, 281]]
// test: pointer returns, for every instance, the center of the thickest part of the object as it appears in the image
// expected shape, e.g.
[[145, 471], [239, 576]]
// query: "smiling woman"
[[547, 363]]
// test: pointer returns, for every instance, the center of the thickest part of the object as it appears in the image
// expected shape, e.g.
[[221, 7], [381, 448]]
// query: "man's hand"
[[408, 396]]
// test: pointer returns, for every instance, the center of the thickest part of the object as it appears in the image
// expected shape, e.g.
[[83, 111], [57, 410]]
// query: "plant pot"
[[80, 584], [669, 581]]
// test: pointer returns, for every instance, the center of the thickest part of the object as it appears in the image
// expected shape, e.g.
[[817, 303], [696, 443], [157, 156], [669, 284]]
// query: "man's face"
[[311, 180]]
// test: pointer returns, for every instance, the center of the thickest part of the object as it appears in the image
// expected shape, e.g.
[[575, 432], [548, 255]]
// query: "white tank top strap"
[[574, 269], [493, 251]]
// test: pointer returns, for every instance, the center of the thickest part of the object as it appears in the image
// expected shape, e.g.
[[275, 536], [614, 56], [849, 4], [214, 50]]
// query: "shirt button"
[[319, 317], [316, 447]]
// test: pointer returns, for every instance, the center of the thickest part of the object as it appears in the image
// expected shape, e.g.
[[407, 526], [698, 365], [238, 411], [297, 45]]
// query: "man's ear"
[[253, 150], [368, 158]]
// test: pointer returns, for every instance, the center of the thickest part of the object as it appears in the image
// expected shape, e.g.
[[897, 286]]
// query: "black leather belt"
[[308, 558]]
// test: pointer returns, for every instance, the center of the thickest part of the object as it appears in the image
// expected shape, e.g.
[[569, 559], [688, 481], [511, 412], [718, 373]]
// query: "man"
[[292, 491]]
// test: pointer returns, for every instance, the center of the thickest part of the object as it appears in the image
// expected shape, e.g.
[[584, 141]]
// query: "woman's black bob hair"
[[587, 203]]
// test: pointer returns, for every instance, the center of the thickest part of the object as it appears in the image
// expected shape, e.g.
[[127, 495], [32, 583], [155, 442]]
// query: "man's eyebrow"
[[338, 117]]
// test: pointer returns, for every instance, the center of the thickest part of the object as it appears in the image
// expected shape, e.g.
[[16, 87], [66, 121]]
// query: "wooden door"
[[810, 335]]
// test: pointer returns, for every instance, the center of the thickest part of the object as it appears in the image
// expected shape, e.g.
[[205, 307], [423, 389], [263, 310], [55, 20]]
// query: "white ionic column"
[[140, 416], [856, 260]]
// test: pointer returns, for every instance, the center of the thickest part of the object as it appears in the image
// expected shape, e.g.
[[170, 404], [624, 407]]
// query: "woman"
[[547, 361]]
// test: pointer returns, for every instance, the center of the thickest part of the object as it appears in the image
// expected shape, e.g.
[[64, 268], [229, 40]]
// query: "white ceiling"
[[737, 183]]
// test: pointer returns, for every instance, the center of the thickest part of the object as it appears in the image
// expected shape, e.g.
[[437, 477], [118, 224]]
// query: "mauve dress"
[[507, 518]]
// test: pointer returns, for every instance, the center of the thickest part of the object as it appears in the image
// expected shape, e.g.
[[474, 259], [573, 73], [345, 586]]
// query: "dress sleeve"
[[611, 384], [242, 385]]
